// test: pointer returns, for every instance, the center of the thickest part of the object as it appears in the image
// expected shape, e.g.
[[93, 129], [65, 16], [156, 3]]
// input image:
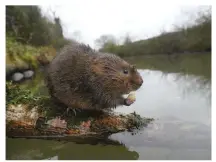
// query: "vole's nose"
[[140, 81]]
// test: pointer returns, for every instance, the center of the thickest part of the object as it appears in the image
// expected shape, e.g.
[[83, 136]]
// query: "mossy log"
[[31, 123], [29, 116]]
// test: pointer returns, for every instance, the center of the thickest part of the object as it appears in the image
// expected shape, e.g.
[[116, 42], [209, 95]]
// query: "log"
[[39, 118]]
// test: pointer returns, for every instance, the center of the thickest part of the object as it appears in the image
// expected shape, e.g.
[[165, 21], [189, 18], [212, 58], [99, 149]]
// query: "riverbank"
[[23, 59], [188, 63]]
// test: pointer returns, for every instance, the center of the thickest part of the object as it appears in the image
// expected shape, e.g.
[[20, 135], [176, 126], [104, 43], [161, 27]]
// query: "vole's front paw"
[[130, 99]]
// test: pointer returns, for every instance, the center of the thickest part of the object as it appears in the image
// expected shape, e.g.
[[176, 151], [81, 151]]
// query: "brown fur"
[[80, 77]]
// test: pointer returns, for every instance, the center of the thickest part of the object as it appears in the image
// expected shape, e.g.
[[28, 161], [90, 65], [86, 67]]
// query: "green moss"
[[135, 121]]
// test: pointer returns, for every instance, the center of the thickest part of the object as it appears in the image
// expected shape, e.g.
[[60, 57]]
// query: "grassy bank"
[[29, 34], [195, 64], [192, 37], [27, 25], [21, 56]]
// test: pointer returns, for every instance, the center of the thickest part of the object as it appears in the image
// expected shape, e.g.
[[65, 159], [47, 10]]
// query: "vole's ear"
[[133, 68], [97, 66]]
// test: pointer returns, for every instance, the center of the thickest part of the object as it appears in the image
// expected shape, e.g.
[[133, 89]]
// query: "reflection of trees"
[[188, 84], [90, 149]]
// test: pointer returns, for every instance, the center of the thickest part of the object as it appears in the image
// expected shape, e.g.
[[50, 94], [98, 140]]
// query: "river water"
[[181, 106]]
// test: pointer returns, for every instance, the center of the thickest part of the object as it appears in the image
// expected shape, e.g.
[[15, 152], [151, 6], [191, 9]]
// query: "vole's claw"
[[67, 111], [74, 110]]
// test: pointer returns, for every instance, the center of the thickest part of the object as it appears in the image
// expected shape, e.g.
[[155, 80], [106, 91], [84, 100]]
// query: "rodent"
[[80, 77]]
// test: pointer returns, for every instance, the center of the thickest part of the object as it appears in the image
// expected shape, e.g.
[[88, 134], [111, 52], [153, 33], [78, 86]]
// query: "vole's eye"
[[125, 71]]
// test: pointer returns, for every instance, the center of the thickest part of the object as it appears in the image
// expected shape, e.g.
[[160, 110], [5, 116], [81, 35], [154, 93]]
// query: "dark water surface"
[[181, 105]]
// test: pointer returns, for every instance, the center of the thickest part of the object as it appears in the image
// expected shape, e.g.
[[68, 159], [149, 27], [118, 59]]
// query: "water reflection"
[[164, 95], [42, 149], [183, 109], [170, 139]]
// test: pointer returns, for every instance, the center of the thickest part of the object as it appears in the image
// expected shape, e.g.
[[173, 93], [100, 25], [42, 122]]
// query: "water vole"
[[82, 78]]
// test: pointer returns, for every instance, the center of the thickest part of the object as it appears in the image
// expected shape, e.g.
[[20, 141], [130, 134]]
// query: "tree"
[[105, 40], [127, 39]]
